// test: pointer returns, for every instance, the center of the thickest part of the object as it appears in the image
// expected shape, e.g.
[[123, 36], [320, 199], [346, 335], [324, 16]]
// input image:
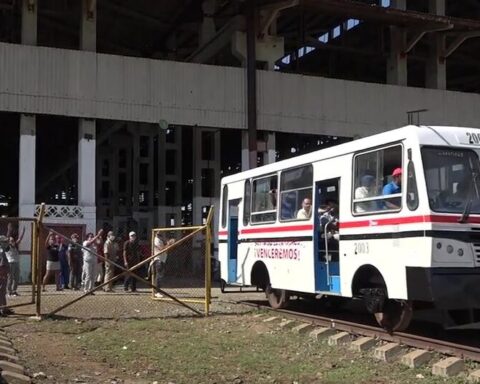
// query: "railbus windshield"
[[452, 178]]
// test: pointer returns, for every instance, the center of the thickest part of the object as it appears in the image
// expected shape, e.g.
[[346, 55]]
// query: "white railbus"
[[394, 220]]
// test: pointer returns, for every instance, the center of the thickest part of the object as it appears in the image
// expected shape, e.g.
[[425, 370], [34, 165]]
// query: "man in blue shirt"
[[393, 187]]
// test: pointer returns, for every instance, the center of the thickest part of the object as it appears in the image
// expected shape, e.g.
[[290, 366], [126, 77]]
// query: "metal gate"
[[123, 276]]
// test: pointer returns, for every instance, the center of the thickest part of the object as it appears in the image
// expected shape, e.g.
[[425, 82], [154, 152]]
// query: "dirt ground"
[[133, 339]]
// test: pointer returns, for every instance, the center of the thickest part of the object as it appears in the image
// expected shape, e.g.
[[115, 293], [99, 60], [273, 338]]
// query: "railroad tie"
[[363, 344], [450, 366], [321, 333], [388, 352], [417, 358]]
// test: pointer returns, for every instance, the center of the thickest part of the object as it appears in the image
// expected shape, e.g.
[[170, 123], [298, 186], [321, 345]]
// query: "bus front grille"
[[476, 252]]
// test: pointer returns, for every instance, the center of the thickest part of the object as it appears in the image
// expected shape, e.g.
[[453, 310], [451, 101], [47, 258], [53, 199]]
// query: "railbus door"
[[326, 240], [232, 242]]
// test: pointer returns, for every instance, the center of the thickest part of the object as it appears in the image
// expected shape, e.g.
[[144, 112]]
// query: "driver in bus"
[[393, 187], [306, 211]]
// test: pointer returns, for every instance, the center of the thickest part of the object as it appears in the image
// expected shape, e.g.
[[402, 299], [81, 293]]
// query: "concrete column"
[[161, 209], [26, 190], [245, 152], [114, 179], [269, 156], [88, 26], [198, 164], [178, 160], [86, 171], [87, 128], [151, 189], [397, 62], [435, 69], [135, 169], [207, 27], [29, 22]]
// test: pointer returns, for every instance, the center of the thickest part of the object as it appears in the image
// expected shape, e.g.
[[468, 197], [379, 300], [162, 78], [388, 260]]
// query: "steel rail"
[[410, 340]]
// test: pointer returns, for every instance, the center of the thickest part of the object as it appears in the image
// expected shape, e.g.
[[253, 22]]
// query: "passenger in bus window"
[[306, 211], [288, 206], [393, 187], [365, 190], [273, 198]]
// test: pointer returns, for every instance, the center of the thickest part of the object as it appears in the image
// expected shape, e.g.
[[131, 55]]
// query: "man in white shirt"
[[364, 191], [90, 260], [306, 211], [159, 262]]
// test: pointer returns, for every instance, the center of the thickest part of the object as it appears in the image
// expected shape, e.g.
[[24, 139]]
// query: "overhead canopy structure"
[[166, 29]]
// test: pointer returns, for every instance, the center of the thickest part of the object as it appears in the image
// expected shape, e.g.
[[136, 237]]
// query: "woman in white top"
[[13, 257]]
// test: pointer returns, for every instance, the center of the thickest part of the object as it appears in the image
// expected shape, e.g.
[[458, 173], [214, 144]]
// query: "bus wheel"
[[277, 298], [396, 315]]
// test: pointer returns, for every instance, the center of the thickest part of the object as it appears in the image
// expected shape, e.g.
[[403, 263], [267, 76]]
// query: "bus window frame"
[[246, 220], [252, 180], [381, 197], [279, 193], [225, 213]]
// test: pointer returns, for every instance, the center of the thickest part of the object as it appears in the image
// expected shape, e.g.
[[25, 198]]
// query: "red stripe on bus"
[[364, 223], [407, 220], [379, 222], [307, 227]]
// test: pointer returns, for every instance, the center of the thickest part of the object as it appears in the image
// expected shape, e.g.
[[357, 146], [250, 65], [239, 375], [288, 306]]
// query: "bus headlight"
[[450, 248], [460, 252], [439, 245]]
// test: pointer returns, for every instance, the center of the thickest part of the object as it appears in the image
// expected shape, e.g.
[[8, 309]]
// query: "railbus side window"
[[377, 181], [224, 206], [412, 192], [264, 199], [295, 187], [247, 203]]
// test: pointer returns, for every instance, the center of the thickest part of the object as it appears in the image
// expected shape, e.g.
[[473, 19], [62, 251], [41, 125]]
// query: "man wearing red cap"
[[393, 187]]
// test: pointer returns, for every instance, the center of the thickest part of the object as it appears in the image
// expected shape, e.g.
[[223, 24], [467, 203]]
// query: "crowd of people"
[[72, 264], [83, 265]]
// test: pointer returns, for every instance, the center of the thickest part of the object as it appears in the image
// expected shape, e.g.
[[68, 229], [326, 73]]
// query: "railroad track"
[[411, 340]]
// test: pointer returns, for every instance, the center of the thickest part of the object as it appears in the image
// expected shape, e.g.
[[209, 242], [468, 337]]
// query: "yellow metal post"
[[33, 264], [208, 261], [37, 256]]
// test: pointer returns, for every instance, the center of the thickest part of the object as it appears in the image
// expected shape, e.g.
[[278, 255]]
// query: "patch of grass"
[[235, 349]]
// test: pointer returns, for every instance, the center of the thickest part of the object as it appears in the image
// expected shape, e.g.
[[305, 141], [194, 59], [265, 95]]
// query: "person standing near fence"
[[131, 256], [4, 270], [110, 253], [53, 262], [13, 257], [62, 255], [160, 261], [75, 262], [90, 261], [100, 271]]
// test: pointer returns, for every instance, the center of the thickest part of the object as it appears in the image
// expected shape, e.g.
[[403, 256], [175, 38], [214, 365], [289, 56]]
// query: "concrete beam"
[[220, 40]]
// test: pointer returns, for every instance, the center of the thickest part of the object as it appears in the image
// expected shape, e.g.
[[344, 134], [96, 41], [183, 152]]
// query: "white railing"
[[61, 211]]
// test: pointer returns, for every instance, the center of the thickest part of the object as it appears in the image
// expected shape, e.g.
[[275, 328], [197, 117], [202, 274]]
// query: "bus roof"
[[430, 135]]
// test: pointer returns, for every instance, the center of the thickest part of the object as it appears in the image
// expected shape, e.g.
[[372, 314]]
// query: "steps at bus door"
[[335, 283]]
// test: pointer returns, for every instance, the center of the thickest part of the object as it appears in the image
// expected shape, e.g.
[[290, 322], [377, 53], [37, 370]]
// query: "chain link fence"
[[181, 265], [115, 274], [18, 263]]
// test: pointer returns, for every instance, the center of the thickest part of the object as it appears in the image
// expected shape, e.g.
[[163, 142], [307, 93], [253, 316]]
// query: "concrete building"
[[118, 113]]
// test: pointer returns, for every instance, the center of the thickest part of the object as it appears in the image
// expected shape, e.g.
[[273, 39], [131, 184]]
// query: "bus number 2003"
[[361, 248]]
